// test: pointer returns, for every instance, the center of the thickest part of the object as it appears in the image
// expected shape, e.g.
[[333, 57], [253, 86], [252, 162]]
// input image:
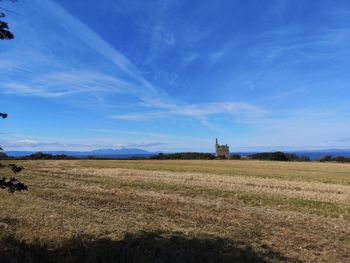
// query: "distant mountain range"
[[102, 153], [135, 152]]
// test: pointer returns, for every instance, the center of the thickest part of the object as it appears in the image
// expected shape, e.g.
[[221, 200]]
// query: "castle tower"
[[222, 151]]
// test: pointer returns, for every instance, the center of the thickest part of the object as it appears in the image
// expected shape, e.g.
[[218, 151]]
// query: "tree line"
[[263, 156]]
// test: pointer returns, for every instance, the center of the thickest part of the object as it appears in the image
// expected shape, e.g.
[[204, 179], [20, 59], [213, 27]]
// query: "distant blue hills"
[[135, 152]]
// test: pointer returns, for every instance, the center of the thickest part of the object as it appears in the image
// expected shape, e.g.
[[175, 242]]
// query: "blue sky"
[[172, 75]]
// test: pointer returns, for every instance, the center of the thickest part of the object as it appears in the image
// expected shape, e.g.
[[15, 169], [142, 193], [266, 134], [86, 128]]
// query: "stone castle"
[[222, 151]]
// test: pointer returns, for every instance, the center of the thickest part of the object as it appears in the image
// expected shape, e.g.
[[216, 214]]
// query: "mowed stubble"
[[300, 210]]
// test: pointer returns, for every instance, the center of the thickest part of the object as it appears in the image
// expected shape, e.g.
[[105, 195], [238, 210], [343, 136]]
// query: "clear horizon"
[[172, 76]]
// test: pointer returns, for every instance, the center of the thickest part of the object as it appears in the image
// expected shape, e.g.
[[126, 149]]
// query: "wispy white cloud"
[[189, 57], [43, 83], [55, 55], [273, 46], [100, 138], [62, 81], [31, 144], [165, 139], [160, 37], [302, 128], [92, 39], [221, 53], [205, 109], [130, 139], [200, 112], [26, 90], [60, 84]]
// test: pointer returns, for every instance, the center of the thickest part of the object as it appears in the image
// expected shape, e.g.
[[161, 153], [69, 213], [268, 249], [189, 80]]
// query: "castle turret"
[[222, 151]]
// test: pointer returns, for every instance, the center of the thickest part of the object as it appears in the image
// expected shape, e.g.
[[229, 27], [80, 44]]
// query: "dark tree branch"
[[3, 115], [5, 33], [11, 184]]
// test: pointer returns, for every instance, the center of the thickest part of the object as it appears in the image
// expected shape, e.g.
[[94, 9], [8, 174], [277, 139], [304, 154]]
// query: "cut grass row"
[[326, 209], [295, 171], [73, 198]]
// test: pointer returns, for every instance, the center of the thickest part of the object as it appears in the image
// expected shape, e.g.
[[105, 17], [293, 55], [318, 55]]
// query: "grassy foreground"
[[177, 211]]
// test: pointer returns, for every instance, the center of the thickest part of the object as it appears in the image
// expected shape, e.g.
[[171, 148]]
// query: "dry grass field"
[[178, 211]]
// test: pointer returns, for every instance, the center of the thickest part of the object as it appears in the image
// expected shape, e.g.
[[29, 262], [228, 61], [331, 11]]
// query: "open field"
[[178, 211]]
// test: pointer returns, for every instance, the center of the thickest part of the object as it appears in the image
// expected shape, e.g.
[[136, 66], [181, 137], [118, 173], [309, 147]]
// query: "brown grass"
[[178, 211]]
